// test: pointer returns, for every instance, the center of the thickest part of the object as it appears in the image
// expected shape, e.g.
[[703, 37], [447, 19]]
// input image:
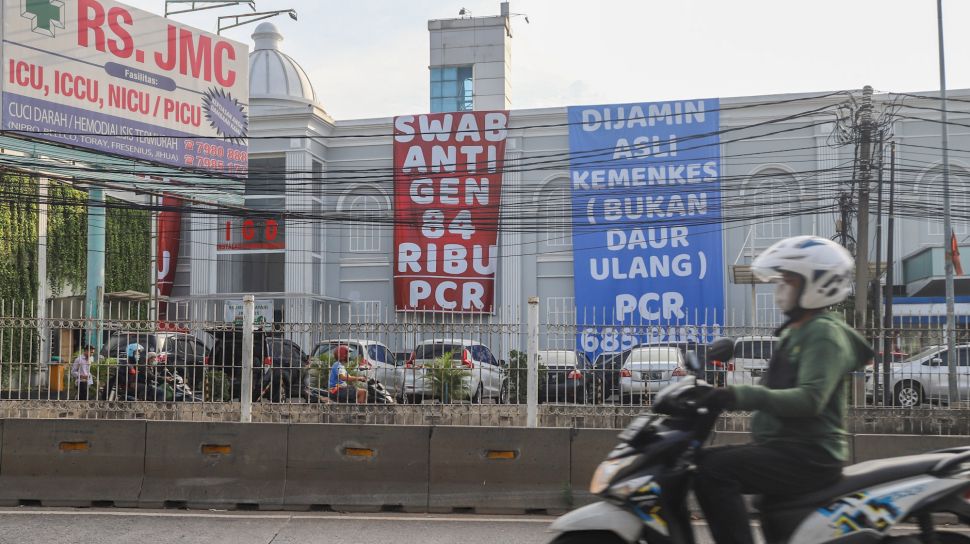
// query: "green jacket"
[[801, 399]]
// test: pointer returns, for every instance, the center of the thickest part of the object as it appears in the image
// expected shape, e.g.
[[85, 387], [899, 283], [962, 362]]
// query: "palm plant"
[[447, 381]]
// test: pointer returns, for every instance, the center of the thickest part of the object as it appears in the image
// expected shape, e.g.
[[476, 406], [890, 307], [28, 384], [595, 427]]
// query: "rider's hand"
[[718, 399]]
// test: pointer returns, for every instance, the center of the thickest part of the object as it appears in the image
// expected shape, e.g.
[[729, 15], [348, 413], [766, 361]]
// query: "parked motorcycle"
[[376, 393], [645, 480]]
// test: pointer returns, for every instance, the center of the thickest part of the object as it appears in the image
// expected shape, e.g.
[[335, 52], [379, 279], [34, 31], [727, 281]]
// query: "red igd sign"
[[447, 188]]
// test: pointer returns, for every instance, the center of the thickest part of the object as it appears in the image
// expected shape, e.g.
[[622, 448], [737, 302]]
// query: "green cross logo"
[[44, 15]]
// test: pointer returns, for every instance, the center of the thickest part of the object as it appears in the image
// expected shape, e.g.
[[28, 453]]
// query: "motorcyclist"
[[799, 439], [128, 379], [157, 379], [341, 390]]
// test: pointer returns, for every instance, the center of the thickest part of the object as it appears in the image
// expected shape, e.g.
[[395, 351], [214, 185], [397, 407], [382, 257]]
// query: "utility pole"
[[877, 292], [864, 125], [889, 340], [951, 338]]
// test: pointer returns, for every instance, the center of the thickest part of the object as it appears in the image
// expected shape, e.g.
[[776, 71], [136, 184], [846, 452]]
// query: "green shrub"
[[448, 382], [518, 376], [216, 386]]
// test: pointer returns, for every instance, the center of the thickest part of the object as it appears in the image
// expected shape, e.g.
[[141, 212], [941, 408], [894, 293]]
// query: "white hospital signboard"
[[100, 75]]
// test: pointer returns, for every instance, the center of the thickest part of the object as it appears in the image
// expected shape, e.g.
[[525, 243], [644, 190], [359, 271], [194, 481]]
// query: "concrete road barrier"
[[54, 462], [214, 465], [357, 467], [499, 470], [587, 449]]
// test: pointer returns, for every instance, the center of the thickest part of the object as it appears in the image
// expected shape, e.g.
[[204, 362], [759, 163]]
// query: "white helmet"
[[825, 265]]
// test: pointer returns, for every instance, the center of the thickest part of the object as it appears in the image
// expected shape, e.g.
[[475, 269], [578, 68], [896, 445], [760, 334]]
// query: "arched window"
[[768, 204], [366, 229], [555, 216], [928, 201]]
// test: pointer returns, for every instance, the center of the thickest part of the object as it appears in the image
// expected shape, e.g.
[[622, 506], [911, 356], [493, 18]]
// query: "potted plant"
[[447, 381]]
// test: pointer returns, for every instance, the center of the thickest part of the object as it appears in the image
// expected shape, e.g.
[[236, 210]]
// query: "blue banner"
[[646, 202]]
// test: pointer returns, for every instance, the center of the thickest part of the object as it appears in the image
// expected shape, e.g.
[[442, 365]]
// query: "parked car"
[[187, 354], [606, 375], [925, 377], [750, 362], [566, 376], [374, 360], [648, 369], [401, 357], [278, 364], [484, 378]]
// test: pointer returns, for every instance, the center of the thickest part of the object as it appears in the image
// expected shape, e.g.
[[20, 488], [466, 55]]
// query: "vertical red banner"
[[447, 190], [169, 229]]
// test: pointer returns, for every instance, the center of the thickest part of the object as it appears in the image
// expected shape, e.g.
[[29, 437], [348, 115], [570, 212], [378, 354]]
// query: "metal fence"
[[465, 369]]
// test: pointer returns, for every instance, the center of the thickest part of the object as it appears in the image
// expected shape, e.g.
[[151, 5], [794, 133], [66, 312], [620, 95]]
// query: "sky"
[[369, 58]]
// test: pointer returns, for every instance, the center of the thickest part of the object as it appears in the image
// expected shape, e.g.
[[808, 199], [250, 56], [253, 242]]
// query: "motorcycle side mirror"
[[721, 349], [693, 364]]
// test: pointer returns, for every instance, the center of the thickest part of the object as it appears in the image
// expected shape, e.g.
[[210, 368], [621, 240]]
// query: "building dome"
[[272, 73]]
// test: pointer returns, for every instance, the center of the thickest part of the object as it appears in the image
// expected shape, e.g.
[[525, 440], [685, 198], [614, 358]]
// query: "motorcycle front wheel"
[[588, 537]]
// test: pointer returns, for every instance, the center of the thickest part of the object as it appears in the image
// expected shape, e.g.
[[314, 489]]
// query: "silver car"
[[482, 375], [648, 369], [925, 377]]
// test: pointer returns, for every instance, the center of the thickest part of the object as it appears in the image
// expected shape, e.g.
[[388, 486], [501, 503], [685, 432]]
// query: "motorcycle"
[[376, 393], [166, 385], [645, 480], [180, 391]]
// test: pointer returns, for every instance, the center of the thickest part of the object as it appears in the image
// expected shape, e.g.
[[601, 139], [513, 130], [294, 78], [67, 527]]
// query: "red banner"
[[447, 189], [169, 235]]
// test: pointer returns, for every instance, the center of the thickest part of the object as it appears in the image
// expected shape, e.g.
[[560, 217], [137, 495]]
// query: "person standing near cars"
[[339, 378], [81, 371]]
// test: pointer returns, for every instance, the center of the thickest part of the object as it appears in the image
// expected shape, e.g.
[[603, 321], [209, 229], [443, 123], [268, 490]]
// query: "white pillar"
[[532, 383], [43, 325], [246, 395]]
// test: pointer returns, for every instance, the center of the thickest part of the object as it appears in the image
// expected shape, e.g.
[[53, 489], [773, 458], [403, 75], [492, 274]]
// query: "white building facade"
[[779, 162]]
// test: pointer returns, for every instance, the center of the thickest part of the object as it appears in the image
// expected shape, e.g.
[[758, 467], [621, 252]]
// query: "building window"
[[365, 227], [767, 314], [452, 89], [561, 320], [770, 195], [365, 311], [931, 195], [558, 219], [267, 176]]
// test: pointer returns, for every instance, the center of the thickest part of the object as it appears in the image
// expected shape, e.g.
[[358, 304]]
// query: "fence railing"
[[423, 360]]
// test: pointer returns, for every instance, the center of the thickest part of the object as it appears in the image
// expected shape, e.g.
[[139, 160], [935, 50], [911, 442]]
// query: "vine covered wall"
[[18, 238], [128, 257]]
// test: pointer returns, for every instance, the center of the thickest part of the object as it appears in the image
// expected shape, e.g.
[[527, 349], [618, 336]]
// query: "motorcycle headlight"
[[606, 471]]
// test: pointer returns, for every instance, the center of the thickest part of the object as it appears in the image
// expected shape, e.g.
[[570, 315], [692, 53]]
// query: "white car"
[[483, 378], [925, 377], [648, 369], [750, 362], [374, 360]]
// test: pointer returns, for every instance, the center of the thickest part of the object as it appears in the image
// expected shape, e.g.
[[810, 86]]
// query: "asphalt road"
[[117, 526], [121, 526]]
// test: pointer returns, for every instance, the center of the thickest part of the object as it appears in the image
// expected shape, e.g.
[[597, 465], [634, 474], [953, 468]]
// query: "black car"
[[278, 364], [606, 374], [185, 353], [565, 376]]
